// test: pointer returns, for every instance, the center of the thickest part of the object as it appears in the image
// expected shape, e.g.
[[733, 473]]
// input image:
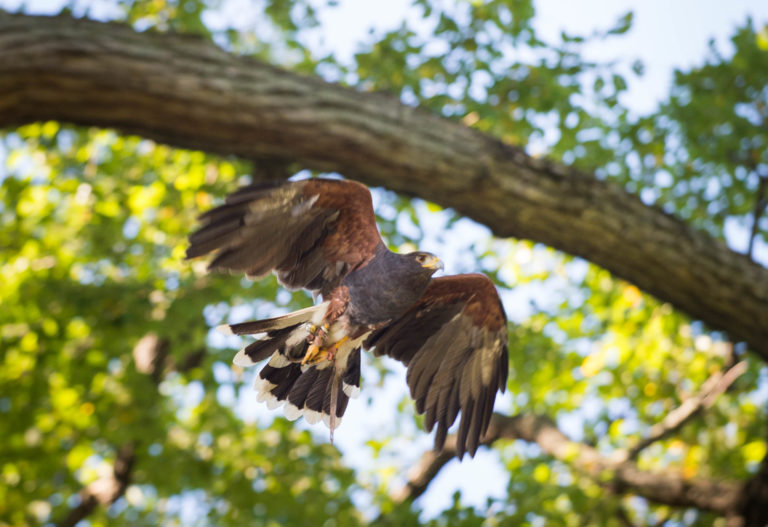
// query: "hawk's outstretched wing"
[[311, 233], [454, 343]]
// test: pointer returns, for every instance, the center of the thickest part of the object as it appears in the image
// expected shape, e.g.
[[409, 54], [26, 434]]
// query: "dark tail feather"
[[285, 346], [311, 391], [350, 376], [286, 335]]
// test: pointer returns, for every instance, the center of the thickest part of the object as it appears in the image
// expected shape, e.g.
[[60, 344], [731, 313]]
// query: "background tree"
[[119, 406]]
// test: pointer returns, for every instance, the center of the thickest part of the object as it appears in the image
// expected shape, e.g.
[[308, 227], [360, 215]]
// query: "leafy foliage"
[[92, 237], [703, 155], [94, 230]]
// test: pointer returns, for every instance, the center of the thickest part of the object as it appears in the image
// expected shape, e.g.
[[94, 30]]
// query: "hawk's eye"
[[421, 258]]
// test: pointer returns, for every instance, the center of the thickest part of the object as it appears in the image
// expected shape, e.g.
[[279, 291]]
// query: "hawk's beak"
[[433, 263]]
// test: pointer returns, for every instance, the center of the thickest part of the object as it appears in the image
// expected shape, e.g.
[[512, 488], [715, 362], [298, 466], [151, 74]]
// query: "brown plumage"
[[310, 233], [454, 343], [321, 235]]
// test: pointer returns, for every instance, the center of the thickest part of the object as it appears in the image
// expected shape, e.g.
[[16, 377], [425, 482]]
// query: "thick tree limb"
[[668, 488], [187, 92], [105, 490], [761, 200]]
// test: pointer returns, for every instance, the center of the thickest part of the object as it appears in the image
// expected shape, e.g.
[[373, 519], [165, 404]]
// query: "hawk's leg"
[[316, 354], [317, 333], [315, 338]]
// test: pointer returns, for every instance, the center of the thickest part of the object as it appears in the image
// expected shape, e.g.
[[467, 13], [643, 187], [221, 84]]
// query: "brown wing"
[[454, 343], [311, 233]]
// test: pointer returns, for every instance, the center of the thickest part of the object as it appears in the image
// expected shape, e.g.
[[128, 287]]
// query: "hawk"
[[321, 235]]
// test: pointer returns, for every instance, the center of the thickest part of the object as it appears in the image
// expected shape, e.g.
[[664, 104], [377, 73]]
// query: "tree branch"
[[151, 357], [186, 92], [761, 200], [665, 488], [712, 388], [105, 490]]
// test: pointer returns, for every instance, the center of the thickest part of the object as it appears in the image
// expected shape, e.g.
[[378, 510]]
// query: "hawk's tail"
[[306, 390], [309, 390]]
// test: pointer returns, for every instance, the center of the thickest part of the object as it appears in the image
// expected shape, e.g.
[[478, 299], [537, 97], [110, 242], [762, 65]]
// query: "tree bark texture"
[[187, 92]]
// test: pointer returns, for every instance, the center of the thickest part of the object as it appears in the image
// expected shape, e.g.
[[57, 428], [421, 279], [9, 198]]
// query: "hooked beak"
[[433, 263]]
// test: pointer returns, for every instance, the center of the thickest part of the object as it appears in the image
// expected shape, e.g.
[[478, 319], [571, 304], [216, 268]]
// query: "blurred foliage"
[[704, 155], [92, 237], [469, 64]]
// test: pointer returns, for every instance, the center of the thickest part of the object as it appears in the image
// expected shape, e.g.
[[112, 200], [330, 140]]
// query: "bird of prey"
[[321, 235]]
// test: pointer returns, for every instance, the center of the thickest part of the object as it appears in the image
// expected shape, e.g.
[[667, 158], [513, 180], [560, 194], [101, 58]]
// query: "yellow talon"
[[312, 352], [316, 355], [339, 343]]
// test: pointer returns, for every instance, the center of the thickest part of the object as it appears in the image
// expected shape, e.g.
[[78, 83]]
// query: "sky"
[[665, 35]]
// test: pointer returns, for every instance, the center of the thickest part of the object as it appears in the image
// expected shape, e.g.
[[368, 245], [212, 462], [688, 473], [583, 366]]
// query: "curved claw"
[[311, 356], [316, 355]]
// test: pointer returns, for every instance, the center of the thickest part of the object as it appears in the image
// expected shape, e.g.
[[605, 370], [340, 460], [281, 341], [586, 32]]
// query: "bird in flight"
[[321, 235]]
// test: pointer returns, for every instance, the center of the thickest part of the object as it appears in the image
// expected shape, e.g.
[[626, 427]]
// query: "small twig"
[[423, 472], [151, 355], [105, 490], [712, 388]]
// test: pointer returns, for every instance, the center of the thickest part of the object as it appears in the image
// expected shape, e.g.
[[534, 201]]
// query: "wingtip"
[[291, 411], [225, 329], [351, 391], [327, 421], [242, 360], [312, 417]]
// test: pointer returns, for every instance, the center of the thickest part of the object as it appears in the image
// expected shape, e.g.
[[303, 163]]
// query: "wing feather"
[[454, 344], [310, 233]]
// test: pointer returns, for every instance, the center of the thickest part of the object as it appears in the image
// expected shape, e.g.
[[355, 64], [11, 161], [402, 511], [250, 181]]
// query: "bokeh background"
[[110, 365]]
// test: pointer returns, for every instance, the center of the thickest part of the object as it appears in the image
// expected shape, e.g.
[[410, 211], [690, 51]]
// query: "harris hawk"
[[321, 235]]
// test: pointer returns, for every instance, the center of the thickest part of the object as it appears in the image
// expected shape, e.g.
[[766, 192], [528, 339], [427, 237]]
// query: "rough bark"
[[186, 92]]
